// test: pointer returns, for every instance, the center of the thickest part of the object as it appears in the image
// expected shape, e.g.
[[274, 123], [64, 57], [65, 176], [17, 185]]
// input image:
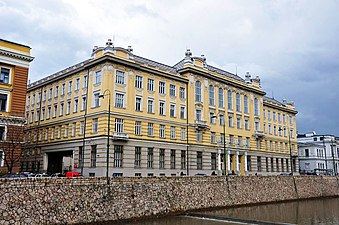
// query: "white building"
[[318, 153]]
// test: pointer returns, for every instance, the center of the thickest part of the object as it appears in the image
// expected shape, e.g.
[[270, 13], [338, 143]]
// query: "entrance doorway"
[[59, 162]]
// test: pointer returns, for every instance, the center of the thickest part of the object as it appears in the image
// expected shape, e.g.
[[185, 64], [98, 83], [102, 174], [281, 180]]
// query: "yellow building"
[[163, 120]]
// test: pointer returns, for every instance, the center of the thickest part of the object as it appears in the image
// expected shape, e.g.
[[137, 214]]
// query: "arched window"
[[198, 91], [211, 95], [221, 97], [237, 101], [229, 97], [245, 104]]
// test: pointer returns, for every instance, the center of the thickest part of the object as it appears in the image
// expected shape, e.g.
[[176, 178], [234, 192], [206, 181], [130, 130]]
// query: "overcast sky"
[[292, 45]]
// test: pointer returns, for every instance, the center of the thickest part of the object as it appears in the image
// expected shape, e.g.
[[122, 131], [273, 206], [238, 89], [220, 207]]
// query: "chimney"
[[248, 77], [130, 49]]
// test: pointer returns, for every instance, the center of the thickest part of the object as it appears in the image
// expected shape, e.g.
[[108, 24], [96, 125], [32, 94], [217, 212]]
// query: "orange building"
[[14, 64]]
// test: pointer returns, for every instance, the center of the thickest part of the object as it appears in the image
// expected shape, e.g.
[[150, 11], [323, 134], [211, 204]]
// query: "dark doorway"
[[55, 161]]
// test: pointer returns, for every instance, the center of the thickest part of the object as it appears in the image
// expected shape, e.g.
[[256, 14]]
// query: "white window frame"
[[120, 77]]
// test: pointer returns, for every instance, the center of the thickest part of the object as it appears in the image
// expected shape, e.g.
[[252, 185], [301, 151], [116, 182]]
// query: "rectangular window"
[[85, 83], [60, 132], [93, 156], [55, 110], [120, 77], [68, 108], [150, 129], [66, 130], [81, 156], [56, 91], [84, 103], [162, 87], [237, 101], [183, 134], [199, 160], [119, 125], [150, 84], [3, 102], [82, 127], [76, 105], [249, 163], [137, 158], [162, 131], [74, 130], [43, 114], [137, 130], [98, 77], [221, 97], [162, 109], [198, 114], [229, 99], [245, 104], [182, 93], [247, 127], [53, 133], [48, 112], [150, 106], [199, 136], [77, 84], [172, 159], [256, 107], [149, 158], [238, 123], [172, 90], [213, 161], [63, 88], [70, 83], [96, 99], [213, 140], [259, 163], [119, 100], [182, 112], [172, 132], [172, 110], [95, 125], [118, 151], [138, 106], [4, 75], [50, 93], [61, 109], [138, 82], [230, 121], [212, 118], [162, 158], [211, 95], [183, 159]]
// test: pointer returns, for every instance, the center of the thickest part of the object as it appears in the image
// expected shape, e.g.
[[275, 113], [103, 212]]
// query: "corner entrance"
[[59, 162]]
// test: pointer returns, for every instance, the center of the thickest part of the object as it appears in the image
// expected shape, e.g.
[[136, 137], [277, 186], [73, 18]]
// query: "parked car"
[[73, 174], [41, 175], [56, 175], [14, 176]]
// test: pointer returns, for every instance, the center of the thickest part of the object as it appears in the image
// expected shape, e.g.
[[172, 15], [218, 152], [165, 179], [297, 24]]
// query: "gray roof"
[[273, 101], [152, 63]]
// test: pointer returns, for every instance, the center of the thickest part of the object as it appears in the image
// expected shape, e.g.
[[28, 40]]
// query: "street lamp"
[[289, 145], [224, 126], [108, 128]]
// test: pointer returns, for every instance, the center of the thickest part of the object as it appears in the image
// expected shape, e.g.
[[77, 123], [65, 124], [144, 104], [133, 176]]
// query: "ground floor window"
[[118, 151], [183, 159], [213, 161], [172, 159], [249, 166], [259, 163], [137, 161], [93, 155], [199, 160], [162, 159], [150, 158]]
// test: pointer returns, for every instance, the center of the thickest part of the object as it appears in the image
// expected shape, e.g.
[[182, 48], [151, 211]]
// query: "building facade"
[[14, 65], [318, 154], [151, 119]]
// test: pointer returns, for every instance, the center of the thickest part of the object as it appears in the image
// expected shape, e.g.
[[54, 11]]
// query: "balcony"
[[120, 136], [258, 134], [201, 125]]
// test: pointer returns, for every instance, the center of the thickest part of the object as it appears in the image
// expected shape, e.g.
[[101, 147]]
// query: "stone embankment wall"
[[86, 200]]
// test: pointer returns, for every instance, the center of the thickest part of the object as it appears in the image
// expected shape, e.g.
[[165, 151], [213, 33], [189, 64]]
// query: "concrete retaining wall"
[[85, 200]]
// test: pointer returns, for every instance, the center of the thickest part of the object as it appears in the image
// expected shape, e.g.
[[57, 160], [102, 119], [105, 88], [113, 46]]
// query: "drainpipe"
[[85, 120], [187, 127]]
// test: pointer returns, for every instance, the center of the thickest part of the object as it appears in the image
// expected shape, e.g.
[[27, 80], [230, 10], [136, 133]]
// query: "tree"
[[11, 141]]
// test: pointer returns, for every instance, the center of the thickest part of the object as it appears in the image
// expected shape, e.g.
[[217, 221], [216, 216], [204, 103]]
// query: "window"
[[221, 120], [77, 84], [213, 161], [138, 81], [2, 134], [150, 129], [198, 114], [61, 109], [172, 90], [53, 133], [95, 125], [172, 132], [1, 158], [183, 134], [66, 130], [93, 155], [43, 114], [162, 131], [56, 91], [48, 112], [199, 136], [50, 93], [256, 107], [230, 121], [274, 116], [137, 158], [96, 99], [162, 159], [183, 159], [229, 99], [213, 140], [76, 105], [137, 128], [182, 112], [60, 131], [84, 103], [198, 91], [98, 77], [3, 102], [162, 109], [279, 117], [119, 125], [63, 88], [245, 104], [256, 126], [237, 101], [55, 110], [120, 77], [46, 134], [199, 160], [162, 87], [212, 118], [118, 150], [150, 106], [150, 84], [39, 97], [82, 127], [172, 110], [211, 95], [221, 97], [238, 122], [247, 124], [182, 93], [138, 106], [81, 156], [172, 159], [4, 75], [247, 142], [68, 108], [259, 163], [85, 83], [119, 100], [149, 158], [70, 83], [33, 99], [74, 130]]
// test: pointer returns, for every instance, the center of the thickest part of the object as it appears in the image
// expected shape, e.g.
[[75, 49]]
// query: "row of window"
[[280, 118], [278, 130], [274, 164], [240, 123]]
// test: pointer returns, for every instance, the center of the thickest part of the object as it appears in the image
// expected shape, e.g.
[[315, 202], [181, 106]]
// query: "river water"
[[307, 212]]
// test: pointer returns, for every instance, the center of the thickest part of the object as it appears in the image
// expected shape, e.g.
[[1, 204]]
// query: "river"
[[306, 212]]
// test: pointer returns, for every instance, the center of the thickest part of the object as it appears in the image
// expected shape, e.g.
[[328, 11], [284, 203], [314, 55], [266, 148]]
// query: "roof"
[[269, 99], [152, 63], [11, 42]]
